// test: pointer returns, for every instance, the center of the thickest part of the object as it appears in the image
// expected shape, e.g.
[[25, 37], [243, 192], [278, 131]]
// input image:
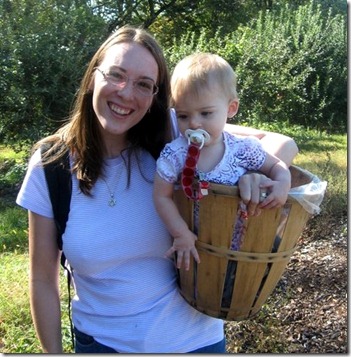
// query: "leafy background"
[[291, 61]]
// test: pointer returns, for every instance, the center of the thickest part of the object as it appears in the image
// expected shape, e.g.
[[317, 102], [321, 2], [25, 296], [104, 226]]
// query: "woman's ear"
[[233, 107]]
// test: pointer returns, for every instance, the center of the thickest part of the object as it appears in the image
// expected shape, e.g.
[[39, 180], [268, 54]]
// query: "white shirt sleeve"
[[34, 193]]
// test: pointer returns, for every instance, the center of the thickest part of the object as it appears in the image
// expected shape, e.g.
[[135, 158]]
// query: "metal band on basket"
[[245, 256]]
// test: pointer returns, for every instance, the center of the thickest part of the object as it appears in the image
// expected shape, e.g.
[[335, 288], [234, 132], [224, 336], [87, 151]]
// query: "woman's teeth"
[[119, 110]]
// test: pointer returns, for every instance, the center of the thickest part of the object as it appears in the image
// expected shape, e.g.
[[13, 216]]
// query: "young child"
[[204, 96]]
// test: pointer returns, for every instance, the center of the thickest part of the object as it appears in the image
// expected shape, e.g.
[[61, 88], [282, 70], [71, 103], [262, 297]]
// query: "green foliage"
[[291, 66], [291, 59], [293, 69], [179, 17], [14, 172], [44, 49], [14, 305]]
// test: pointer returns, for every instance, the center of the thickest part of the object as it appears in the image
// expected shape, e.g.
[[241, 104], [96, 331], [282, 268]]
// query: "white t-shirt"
[[126, 291]]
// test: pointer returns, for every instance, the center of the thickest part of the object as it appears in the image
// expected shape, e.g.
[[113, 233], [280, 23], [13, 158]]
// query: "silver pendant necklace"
[[112, 200]]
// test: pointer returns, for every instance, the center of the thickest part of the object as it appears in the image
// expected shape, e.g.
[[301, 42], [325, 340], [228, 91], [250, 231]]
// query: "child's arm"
[[279, 188], [184, 238]]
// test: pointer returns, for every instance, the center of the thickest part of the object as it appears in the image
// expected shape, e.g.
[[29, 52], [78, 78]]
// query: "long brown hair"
[[81, 135]]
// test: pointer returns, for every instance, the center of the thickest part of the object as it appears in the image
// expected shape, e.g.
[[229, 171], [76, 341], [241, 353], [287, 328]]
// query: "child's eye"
[[182, 116], [206, 113]]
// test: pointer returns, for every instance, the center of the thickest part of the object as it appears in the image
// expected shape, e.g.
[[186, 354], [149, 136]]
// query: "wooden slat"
[[217, 232], [296, 222], [247, 281], [274, 276], [260, 233]]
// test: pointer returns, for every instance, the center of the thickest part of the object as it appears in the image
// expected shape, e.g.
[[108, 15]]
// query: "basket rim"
[[227, 190]]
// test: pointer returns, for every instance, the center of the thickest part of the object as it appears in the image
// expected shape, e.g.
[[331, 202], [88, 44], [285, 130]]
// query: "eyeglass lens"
[[144, 86]]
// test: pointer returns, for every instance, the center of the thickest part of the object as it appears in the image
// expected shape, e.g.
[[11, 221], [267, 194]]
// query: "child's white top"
[[126, 290], [241, 154]]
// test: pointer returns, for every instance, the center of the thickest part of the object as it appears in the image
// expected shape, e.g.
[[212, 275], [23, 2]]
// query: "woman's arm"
[[279, 145], [44, 282]]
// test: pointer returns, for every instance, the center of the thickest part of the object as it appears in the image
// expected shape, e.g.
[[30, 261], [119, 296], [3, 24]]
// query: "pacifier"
[[198, 136]]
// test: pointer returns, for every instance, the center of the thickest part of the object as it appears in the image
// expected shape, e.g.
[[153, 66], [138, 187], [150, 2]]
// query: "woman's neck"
[[114, 147]]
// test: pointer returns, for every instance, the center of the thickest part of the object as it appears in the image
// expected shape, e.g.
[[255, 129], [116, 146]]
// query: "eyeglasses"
[[144, 86]]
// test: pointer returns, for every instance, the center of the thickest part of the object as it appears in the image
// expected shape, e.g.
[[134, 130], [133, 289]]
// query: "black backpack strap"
[[59, 181]]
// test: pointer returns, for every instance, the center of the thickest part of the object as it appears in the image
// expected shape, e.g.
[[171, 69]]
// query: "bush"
[[291, 66], [42, 55]]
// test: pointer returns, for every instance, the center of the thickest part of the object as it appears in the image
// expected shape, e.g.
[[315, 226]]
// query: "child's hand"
[[249, 187], [277, 194], [184, 246]]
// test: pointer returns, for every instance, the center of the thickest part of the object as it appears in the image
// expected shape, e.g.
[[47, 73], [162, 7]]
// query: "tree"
[[43, 55], [291, 66], [46, 45]]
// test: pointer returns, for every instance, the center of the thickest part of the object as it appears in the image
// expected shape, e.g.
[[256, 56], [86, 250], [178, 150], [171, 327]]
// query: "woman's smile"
[[119, 110]]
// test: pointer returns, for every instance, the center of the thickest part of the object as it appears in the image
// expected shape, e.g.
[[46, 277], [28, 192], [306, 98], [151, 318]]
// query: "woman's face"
[[119, 109]]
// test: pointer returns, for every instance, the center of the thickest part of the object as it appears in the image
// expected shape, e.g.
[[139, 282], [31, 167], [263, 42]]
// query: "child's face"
[[208, 111]]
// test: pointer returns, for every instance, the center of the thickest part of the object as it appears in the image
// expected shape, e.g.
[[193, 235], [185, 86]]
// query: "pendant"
[[112, 201]]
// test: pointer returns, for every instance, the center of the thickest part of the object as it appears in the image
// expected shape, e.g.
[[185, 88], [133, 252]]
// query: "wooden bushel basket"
[[233, 285]]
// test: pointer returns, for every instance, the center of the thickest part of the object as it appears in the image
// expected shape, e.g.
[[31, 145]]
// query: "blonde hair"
[[202, 70]]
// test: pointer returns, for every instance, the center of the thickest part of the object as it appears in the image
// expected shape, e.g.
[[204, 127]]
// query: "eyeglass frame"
[[107, 77]]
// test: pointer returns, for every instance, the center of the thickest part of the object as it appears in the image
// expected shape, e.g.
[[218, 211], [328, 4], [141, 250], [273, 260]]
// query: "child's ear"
[[233, 107]]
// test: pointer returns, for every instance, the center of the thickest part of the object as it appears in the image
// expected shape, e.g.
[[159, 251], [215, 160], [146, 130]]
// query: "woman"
[[126, 297]]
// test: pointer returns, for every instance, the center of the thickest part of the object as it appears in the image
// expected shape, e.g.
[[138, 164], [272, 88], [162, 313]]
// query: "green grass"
[[17, 334], [323, 155], [326, 157], [15, 326], [13, 228]]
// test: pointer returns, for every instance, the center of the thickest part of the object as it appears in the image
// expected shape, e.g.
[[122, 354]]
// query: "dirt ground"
[[307, 312]]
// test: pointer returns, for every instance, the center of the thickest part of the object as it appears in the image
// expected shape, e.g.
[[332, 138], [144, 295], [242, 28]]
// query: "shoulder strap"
[[59, 180]]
